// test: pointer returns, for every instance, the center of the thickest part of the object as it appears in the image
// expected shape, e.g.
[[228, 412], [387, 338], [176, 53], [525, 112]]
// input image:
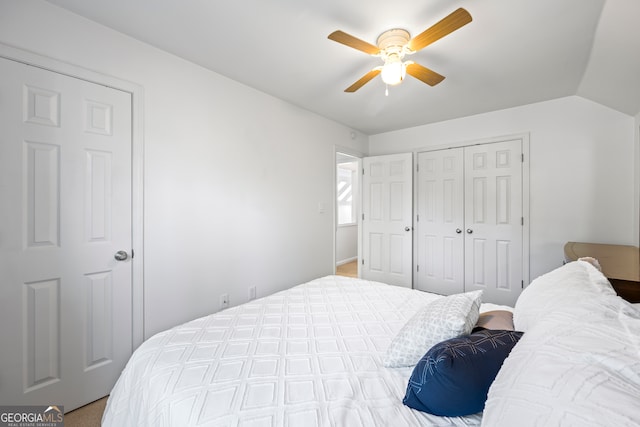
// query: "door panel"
[[65, 182], [440, 216], [493, 220], [387, 224]]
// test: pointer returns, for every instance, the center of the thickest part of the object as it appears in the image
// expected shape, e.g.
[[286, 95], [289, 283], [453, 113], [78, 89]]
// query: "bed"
[[308, 356], [315, 355]]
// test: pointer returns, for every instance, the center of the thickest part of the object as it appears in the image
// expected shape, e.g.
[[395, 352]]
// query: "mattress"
[[308, 356]]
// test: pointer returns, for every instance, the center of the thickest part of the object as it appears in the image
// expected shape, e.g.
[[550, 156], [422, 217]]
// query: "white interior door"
[[494, 221], [65, 186], [387, 235], [440, 216]]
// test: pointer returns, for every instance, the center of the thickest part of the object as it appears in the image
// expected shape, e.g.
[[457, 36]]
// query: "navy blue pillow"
[[453, 378]]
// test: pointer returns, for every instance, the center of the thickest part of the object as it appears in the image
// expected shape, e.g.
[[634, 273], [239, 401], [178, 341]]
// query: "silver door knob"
[[458, 231], [121, 256], [407, 229], [469, 230]]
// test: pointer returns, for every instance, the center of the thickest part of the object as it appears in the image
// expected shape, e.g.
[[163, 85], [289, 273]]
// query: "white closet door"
[[387, 225], [493, 221], [440, 223], [65, 174], [470, 212]]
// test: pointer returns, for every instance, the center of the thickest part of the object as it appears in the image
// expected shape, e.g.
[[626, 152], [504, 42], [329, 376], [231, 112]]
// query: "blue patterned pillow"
[[453, 378]]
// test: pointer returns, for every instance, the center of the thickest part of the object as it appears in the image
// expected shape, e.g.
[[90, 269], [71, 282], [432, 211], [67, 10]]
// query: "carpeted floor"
[[86, 416]]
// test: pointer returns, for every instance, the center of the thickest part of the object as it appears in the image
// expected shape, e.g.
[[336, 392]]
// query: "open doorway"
[[347, 181]]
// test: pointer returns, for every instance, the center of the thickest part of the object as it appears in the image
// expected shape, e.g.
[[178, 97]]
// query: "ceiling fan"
[[393, 45]]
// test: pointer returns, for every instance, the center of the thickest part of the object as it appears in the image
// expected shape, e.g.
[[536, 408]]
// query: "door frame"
[[137, 164], [358, 155], [524, 137]]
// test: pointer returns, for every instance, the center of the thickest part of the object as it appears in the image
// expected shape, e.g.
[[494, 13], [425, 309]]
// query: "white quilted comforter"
[[308, 356]]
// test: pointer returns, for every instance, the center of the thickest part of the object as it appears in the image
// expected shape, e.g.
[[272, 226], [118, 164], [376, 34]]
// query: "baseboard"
[[346, 261]]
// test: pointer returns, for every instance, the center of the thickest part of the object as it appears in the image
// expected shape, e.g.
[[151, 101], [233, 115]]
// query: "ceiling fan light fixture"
[[393, 72], [393, 45]]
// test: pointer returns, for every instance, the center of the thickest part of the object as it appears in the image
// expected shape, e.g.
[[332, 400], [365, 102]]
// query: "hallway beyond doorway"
[[349, 269]]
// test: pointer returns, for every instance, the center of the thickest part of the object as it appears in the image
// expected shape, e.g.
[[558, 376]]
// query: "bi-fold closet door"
[[470, 220]]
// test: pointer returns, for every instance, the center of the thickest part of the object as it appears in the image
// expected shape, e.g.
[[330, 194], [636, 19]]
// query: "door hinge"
[[417, 268], [417, 218], [362, 261], [522, 284], [363, 217], [521, 220], [132, 254], [362, 171], [522, 157], [417, 167]]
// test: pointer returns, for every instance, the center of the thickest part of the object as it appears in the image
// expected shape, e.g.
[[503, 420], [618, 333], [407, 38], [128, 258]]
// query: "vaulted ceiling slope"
[[515, 52]]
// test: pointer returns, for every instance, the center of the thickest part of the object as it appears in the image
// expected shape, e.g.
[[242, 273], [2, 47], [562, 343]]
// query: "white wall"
[[233, 177], [346, 243], [583, 169]]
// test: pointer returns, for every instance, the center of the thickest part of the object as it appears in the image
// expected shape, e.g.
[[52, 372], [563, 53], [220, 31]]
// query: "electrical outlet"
[[252, 293], [224, 301]]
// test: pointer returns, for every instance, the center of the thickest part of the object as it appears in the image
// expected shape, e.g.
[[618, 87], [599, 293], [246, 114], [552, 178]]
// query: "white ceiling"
[[514, 52]]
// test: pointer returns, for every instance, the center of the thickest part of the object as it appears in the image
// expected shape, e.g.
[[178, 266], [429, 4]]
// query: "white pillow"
[[446, 318], [576, 366], [557, 290]]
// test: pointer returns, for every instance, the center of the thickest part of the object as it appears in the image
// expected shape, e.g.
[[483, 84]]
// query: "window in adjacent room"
[[347, 181]]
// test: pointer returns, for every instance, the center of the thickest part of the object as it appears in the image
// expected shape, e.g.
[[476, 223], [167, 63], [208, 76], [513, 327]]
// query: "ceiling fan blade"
[[424, 74], [354, 42], [364, 79], [447, 25]]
